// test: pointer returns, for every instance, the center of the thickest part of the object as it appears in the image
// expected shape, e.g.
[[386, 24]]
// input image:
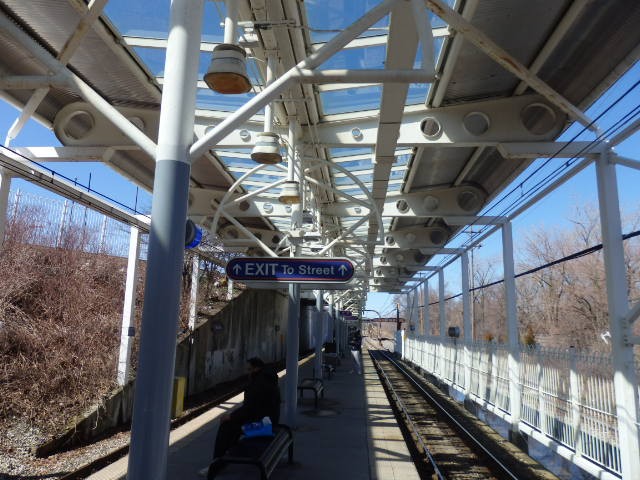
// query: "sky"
[[553, 212]]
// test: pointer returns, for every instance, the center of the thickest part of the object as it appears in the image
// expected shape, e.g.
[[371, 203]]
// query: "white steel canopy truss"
[[413, 116]]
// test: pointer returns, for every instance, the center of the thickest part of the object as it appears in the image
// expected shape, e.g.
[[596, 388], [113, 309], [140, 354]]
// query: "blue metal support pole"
[[154, 382]]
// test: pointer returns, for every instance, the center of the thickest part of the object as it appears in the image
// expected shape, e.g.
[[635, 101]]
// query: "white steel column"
[[5, 188], [230, 20], [575, 395], [229, 289], [466, 321], [103, 234], [127, 333], [293, 320], [512, 327], [317, 366], [442, 322], [625, 381], [154, 382], [193, 297], [426, 313], [63, 217], [415, 318], [268, 108]]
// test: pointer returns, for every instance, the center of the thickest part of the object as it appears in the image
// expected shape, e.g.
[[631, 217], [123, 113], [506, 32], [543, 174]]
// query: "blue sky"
[[553, 212]]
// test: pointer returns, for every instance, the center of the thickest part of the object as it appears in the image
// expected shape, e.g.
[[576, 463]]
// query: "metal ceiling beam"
[[504, 117], [507, 61], [280, 85], [74, 81]]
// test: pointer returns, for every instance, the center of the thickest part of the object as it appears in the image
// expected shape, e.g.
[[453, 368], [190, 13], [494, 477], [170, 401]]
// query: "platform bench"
[[313, 384], [331, 359], [328, 369], [263, 452]]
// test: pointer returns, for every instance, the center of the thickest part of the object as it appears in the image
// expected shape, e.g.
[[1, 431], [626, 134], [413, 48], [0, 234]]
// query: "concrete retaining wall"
[[252, 325]]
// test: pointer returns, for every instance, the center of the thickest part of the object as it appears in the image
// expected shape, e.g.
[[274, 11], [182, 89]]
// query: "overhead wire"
[[581, 253], [75, 182], [619, 124]]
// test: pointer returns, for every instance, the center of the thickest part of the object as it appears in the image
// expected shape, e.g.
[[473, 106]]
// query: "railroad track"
[[453, 446]]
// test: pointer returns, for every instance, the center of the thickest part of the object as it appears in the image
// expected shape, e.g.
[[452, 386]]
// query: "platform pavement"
[[353, 434]]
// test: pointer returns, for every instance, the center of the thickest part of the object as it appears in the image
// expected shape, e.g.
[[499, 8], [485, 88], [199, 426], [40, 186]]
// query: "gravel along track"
[[463, 449]]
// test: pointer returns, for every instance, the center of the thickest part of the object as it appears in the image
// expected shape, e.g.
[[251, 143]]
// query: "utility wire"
[[526, 195], [54, 174], [573, 256]]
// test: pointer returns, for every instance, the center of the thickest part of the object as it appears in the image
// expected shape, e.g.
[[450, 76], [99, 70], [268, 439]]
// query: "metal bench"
[[328, 369], [313, 384], [263, 452]]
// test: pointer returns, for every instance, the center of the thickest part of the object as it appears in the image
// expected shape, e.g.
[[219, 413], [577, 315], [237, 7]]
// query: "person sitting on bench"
[[261, 399]]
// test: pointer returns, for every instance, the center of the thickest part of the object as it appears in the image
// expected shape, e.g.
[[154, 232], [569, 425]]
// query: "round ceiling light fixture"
[[267, 149], [227, 72]]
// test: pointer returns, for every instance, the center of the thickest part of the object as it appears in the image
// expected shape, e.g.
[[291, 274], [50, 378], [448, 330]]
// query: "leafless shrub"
[[59, 332]]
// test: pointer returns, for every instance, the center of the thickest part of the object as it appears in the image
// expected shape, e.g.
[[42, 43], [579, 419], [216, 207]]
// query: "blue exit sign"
[[290, 270]]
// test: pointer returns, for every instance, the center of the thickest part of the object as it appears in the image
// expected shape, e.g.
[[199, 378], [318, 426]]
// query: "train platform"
[[352, 434]]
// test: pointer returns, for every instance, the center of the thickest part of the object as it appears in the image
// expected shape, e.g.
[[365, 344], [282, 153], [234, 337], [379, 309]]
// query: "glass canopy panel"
[[394, 187], [348, 151], [139, 18], [238, 161], [265, 178], [329, 17], [354, 192], [417, 93], [363, 164], [351, 100], [150, 18], [346, 180], [207, 99], [357, 58], [402, 159], [397, 174]]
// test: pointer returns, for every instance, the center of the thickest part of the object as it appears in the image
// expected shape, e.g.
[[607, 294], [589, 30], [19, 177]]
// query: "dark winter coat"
[[261, 399]]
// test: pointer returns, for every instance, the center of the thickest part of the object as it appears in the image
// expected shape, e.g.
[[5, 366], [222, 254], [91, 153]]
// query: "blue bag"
[[263, 428]]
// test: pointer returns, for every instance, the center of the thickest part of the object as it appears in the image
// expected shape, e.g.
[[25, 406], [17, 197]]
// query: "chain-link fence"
[[63, 223]]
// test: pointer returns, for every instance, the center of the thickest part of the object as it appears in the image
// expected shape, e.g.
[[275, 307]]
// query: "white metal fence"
[[59, 222], [567, 397]]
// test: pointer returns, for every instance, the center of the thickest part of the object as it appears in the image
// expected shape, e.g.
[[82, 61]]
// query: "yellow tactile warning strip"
[[389, 457], [118, 470]]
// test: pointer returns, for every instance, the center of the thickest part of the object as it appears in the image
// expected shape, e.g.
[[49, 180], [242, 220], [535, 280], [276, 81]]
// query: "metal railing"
[[567, 396]]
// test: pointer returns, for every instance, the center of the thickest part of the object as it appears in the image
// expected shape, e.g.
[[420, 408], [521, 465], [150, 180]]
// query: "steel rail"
[[442, 410], [407, 417]]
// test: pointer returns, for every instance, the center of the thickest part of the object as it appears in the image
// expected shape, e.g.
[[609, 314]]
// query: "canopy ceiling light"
[[267, 149], [227, 73], [290, 193]]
